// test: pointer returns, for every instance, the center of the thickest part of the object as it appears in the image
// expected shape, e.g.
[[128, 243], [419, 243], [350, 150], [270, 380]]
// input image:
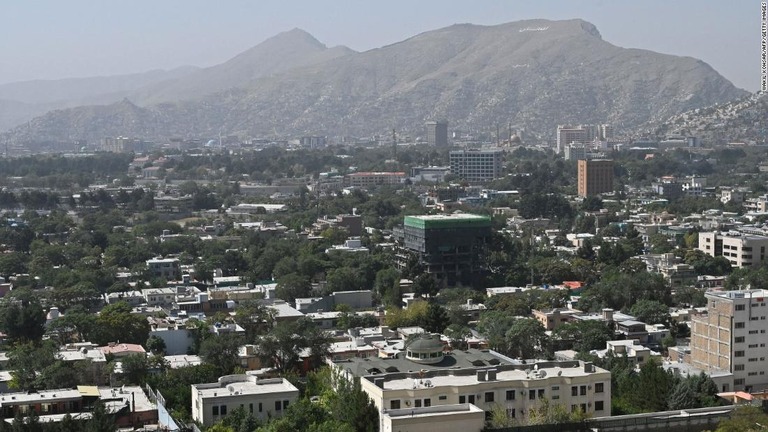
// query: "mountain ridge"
[[533, 73]]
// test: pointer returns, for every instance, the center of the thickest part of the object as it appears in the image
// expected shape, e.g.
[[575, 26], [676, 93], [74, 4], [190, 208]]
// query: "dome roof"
[[425, 343]]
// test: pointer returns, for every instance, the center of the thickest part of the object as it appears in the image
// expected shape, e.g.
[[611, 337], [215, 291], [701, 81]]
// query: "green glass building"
[[452, 247]]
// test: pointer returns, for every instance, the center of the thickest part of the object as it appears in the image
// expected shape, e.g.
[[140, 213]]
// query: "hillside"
[[742, 120], [534, 73]]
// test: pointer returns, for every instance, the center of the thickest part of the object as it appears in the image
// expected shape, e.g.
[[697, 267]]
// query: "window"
[[599, 406], [739, 339], [739, 325], [583, 390], [489, 396], [738, 367], [250, 407], [583, 407], [462, 399], [223, 410], [555, 388], [471, 398], [574, 408], [285, 404], [532, 394], [738, 353], [739, 381], [442, 397], [511, 413], [541, 393], [510, 395], [395, 403], [574, 391], [427, 402], [417, 403], [278, 406], [599, 387], [260, 407], [215, 410]]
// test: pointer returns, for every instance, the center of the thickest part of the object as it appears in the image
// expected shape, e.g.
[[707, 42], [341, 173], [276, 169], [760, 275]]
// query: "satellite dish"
[[542, 373]]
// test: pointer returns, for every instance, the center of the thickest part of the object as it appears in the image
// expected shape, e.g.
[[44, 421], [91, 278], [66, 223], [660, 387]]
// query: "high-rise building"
[[595, 177], [729, 338], [437, 133], [476, 166], [568, 135], [574, 152], [451, 247]]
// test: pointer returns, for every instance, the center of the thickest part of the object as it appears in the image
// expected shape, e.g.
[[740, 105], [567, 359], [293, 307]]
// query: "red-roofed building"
[[122, 349]]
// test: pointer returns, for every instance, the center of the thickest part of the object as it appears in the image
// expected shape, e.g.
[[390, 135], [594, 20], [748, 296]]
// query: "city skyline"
[[52, 40]]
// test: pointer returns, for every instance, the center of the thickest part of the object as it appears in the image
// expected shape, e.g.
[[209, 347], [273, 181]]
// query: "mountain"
[[534, 73], [742, 120], [287, 50], [24, 100]]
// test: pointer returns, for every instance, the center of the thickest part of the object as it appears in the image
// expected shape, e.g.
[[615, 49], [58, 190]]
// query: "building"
[[731, 337], [451, 247], [425, 375], [167, 269], [742, 250], [476, 166], [437, 133], [595, 177], [575, 151], [313, 142], [462, 417], [369, 179], [262, 398], [582, 134]]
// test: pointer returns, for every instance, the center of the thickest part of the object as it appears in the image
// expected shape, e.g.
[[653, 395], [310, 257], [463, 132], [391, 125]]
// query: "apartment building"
[[476, 166], [263, 398], [369, 179], [425, 375], [167, 268], [595, 177], [742, 250], [731, 337]]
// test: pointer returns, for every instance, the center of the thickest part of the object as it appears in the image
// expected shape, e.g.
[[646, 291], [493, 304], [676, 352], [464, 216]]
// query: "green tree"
[[436, 319], [744, 419], [292, 286], [222, 352], [156, 345], [527, 339], [651, 312], [23, 321]]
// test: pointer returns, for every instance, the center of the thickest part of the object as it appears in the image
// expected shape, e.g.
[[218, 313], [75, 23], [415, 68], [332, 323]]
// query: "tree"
[[116, 323], [436, 319], [651, 312], [156, 345], [425, 285], [292, 286], [280, 347], [583, 336], [222, 352], [527, 339], [745, 418], [23, 321], [134, 368]]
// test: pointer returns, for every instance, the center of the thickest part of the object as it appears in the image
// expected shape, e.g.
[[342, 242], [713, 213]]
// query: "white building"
[[167, 268], [476, 166], [425, 375], [442, 418], [742, 250], [263, 398]]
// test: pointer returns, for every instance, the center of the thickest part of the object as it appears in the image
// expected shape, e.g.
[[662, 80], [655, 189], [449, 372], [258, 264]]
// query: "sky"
[[51, 39]]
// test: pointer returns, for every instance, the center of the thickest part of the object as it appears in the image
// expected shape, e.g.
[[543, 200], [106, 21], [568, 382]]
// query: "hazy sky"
[[50, 39]]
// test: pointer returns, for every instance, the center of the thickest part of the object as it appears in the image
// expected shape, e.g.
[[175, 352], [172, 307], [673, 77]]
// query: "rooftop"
[[758, 293], [447, 221], [243, 385]]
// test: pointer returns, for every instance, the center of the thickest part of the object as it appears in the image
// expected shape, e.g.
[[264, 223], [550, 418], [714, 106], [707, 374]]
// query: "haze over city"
[[53, 39]]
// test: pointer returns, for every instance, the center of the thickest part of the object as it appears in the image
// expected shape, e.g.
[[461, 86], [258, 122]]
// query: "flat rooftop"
[[433, 411], [750, 294], [243, 385], [458, 220]]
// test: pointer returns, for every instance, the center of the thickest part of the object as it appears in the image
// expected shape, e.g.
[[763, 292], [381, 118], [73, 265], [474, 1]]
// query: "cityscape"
[[513, 225]]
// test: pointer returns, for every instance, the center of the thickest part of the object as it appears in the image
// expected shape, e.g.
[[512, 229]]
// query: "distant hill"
[[22, 101], [535, 73], [742, 120]]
